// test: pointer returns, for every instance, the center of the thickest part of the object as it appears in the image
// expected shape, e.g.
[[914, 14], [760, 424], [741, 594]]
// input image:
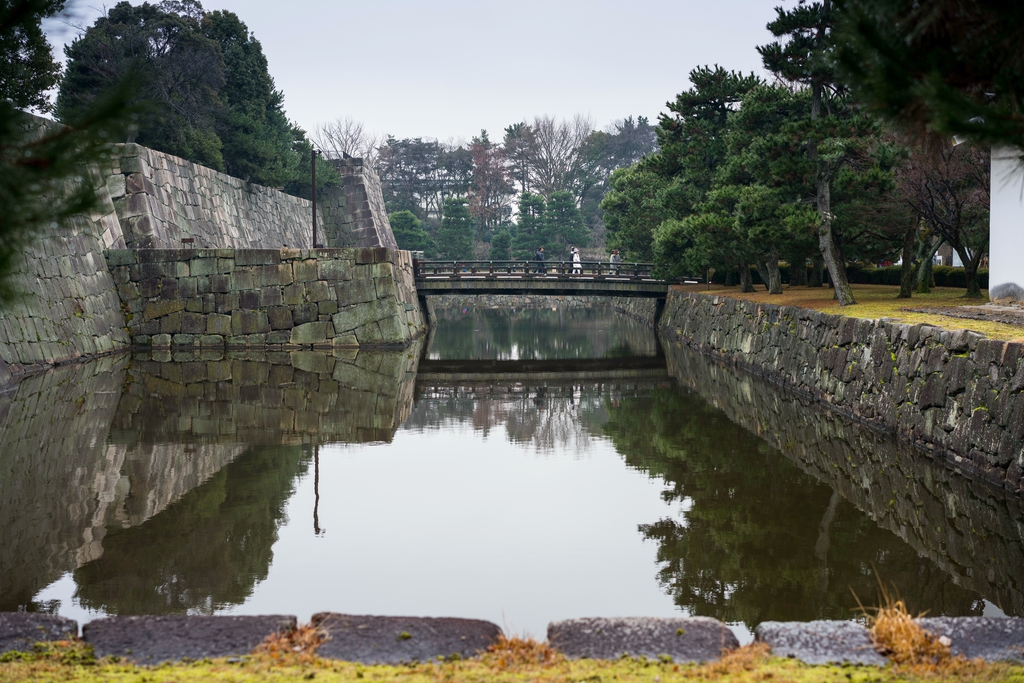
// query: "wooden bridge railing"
[[541, 270]]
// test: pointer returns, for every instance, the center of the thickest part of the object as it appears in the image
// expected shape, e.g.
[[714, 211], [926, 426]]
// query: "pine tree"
[[563, 225], [530, 232], [455, 235]]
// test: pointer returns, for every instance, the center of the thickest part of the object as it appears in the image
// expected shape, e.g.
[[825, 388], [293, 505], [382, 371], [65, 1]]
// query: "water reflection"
[[537, 334], [163, 484]]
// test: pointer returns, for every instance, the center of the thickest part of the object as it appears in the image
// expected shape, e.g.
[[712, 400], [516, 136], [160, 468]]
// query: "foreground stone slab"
[[820, 642], [696, 639], [393, 640], [991, 638], [151, 640], [21, 630]]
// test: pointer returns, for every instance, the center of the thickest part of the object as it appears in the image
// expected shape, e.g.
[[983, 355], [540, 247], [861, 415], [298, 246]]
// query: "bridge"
[[557, 278], [447, 372]]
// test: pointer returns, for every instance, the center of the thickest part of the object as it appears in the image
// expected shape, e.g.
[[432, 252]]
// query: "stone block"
[[279, 337], [333, 269], [310, 333], [270, 276], [218, 324], [19, 631], [305, 270], [695, 639], [171, 323], [305, 313], [220, 283], [280, 318], [993, 639], [250, 300], [393, 640], [257, 257], [243, 279], [210, 340], [157, 309], [318, 290], [151, 640], [295, 294], [161, 340], [193, 323], [820, 642], [249, 322], [356, 291], [271, 296]]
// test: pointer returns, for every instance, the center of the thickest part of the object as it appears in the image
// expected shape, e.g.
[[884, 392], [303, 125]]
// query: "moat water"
[[522, 467]]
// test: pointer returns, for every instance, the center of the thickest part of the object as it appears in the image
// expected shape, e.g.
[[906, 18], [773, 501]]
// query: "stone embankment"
[[267, 297], [968, 528], [955, 393], [68, 304], [394, 640]]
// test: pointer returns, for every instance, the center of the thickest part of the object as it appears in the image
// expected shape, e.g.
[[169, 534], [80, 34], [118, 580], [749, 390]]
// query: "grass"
[[512, 660], [879, 301]]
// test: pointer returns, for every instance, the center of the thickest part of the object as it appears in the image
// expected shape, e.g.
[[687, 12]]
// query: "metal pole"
[[312, 157]]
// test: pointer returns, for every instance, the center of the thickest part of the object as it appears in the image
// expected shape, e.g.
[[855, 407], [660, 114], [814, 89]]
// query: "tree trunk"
[[730, 278], [829, 249], [817, 266], [798, 271], [924, 269], [774, 276], [762, 269], [746, 283], [971, 271], [907, 268]]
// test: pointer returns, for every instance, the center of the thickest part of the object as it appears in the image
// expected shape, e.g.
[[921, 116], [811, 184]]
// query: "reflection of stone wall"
[[968, 528], [61, 487], [955, 392], [266, 398], [55, 472], [259, 297]]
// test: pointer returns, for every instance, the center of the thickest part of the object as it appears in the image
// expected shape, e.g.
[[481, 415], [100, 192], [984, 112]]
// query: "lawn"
[[73, 662], [879, 301]]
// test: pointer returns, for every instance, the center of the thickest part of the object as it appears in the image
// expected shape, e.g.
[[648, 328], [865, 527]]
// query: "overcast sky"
[[448, 68]]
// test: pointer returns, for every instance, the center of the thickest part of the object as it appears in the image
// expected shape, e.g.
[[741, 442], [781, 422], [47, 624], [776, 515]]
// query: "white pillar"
[[1006, 237]]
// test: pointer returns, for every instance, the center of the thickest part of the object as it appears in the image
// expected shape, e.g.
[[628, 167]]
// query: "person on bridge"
[[538, 256], [616, 261], [576, 264]]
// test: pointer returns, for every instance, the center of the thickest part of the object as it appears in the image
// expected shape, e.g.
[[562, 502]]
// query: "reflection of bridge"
[[561, 370], [535, 277]]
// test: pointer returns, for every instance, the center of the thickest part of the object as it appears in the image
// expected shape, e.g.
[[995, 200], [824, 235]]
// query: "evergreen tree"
[[27, 67], [530, 232], [409, 232], [455, 235], [563, 225], [178, 74], [256, 135], [501, 246], [950, 68], [803, 57]]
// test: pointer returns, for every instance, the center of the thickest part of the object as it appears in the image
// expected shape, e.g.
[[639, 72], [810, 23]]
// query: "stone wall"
[[162, 199], [354, 214], [968, 528], [66, 306], [955, 393], [259, 297]]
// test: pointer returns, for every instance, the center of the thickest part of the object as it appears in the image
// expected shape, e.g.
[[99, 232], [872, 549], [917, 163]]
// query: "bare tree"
[[559, 160], [346, 136]]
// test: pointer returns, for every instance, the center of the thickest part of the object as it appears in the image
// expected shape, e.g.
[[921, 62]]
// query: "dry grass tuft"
[[517, 653], [738, 661], [899, 637], [291, 647]]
